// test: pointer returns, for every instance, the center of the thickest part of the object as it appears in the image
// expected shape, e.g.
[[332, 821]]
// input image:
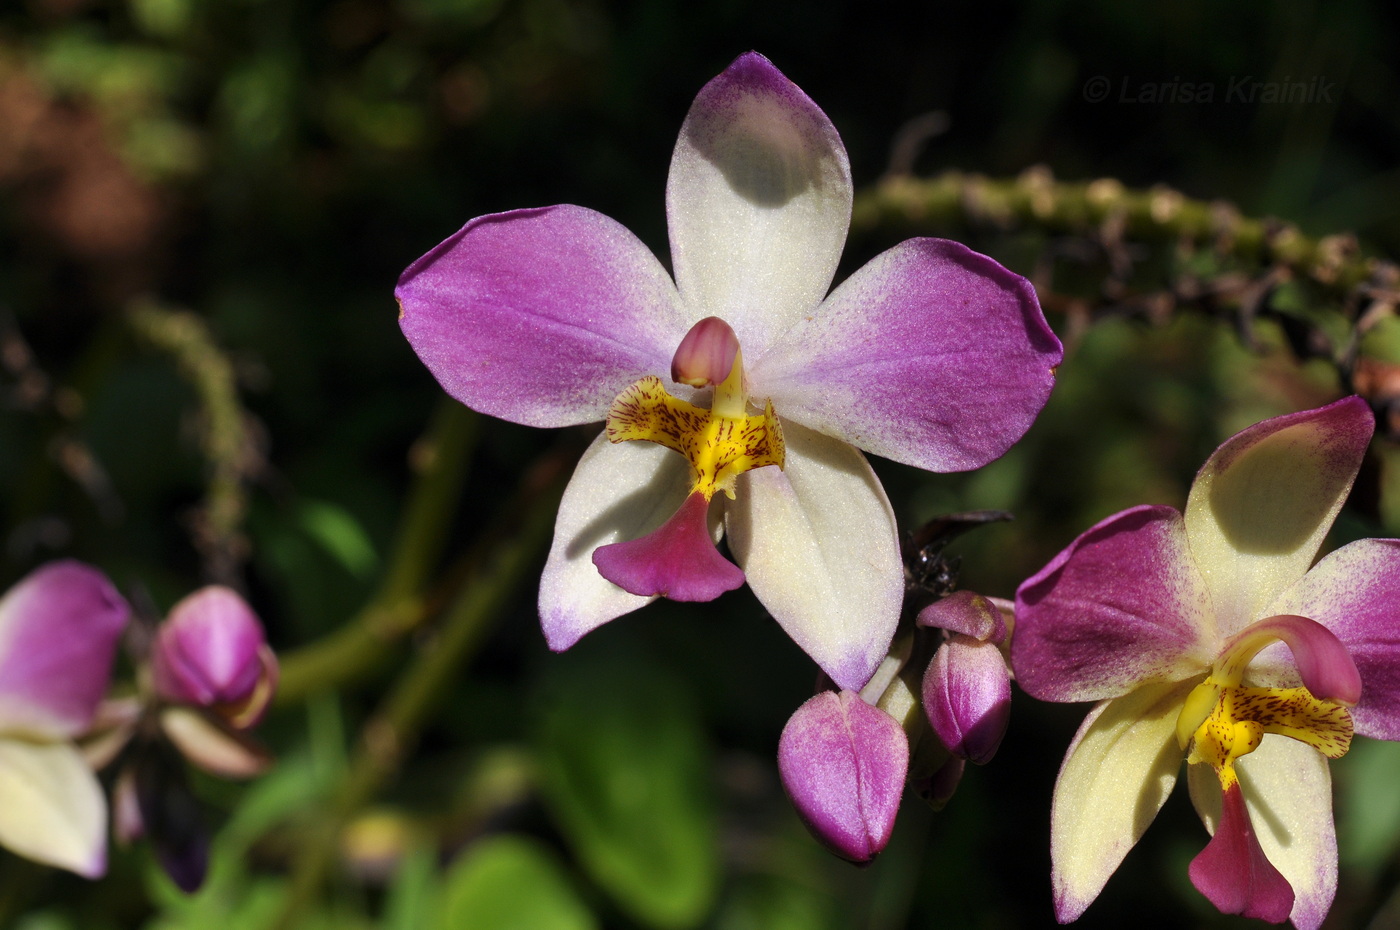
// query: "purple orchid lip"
[[678, 559], [1233, 872]]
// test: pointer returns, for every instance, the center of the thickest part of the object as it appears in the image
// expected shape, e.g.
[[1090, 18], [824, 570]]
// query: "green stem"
[[359, 647], [499, 567], [226, 440]]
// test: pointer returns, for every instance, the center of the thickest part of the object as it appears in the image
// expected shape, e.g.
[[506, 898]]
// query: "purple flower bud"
[[843, 763], [967, 696], [210, 652]]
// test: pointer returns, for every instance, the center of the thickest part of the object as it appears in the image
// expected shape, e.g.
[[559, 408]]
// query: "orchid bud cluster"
[[207, 676], [941, 698]]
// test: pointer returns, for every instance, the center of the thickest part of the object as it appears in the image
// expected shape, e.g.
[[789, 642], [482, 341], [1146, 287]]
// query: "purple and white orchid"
[[1206, 636], [931, 355], [59, 628]]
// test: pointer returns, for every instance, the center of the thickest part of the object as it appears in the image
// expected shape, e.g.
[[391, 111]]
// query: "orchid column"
[[931, 355]]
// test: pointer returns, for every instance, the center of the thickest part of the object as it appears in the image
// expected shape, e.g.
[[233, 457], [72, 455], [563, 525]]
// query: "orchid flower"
[[208, 678], [58, 634], [1204, 636], [736, 397]]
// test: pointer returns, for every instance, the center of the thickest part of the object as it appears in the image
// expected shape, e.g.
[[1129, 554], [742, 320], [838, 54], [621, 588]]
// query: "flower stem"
[[501, 561], [441, 460]]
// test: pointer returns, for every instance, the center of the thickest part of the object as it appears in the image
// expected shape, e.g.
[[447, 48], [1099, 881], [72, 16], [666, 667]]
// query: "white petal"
[[1288, 790], [618, 492], [1116, 776], [51, 807], [1263, 502], [818, 543], [758, 202]]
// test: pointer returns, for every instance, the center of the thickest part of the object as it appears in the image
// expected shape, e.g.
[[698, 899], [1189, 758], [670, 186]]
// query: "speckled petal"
[[618, 492], [541, 316], [1123, 605], [1263, 502], [1355, 593], [931, 355], [1288, 791], [758, 202], [1116, 776], [818, 544]]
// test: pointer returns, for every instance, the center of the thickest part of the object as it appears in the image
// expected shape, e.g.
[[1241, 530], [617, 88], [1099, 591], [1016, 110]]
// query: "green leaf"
[[625, 771], [511, 883]]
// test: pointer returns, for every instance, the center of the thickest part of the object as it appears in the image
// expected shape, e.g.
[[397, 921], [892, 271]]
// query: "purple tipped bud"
[[967, 697], [706, 354], [967, 613], [843, 764], [211, 653]]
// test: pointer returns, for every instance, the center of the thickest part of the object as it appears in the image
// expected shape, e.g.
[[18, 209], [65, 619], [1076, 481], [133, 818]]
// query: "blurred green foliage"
[[272, 165]]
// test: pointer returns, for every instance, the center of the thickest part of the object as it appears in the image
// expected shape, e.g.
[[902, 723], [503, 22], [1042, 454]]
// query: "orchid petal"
[[541, 316], [58, 635], [817, 541], [53, 810], [931, 355], [758, 202], [1263, 502], [221, 751], [843, 764], [618, 492], [1123, 605], [1288, 791], [1355, 592], [1116, 776]]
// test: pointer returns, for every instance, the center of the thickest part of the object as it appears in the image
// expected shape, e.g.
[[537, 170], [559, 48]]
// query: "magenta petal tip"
[[677, 560], [1233, 872], [843, 763]]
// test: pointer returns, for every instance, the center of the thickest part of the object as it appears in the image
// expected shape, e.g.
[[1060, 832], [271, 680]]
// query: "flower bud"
[[967, 697], [210, 652], [843, 763]]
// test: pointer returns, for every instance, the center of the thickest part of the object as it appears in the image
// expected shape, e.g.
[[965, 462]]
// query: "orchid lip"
[[677, 560]]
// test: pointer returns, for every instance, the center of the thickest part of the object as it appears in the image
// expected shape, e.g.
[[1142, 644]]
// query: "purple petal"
[[843, 764], [1326, 669], [758, 202], [1263, 502], [818, 543], [58, 634], [208, 650], [677, 560], [1233, 872], [1355, 592], [968, 613], [967, 697], [1122, 606], [931, 355], [541, 316]]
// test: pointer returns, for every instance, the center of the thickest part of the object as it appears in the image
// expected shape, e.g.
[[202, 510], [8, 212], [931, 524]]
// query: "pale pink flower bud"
[[210, 652]]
